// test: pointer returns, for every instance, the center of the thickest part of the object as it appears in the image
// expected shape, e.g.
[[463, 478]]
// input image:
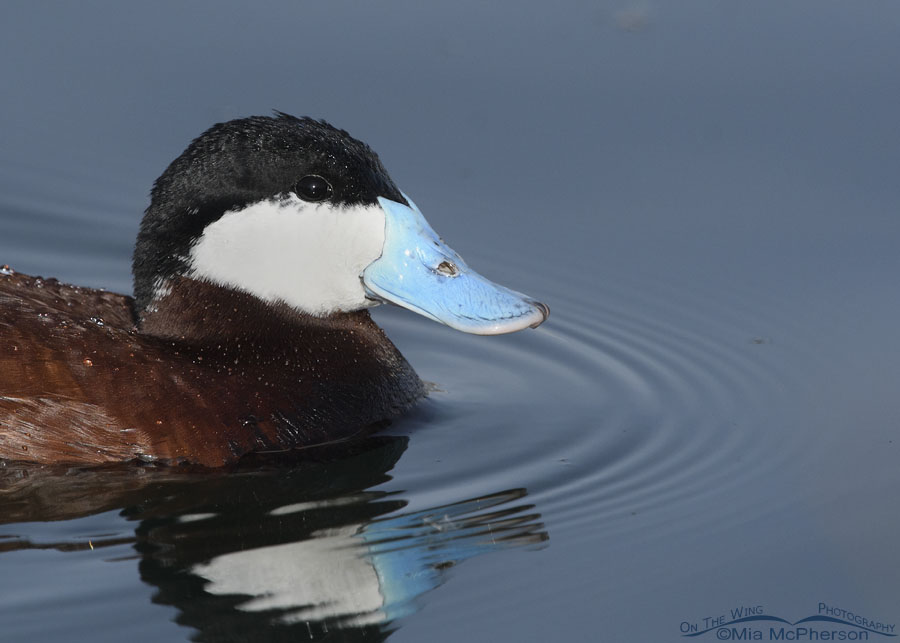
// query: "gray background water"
[[706, 194]]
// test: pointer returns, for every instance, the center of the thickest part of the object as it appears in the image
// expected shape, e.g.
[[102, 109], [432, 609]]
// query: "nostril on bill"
[[448, 269]]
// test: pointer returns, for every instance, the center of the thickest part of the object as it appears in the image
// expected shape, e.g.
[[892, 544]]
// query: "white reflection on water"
[[370, 573]]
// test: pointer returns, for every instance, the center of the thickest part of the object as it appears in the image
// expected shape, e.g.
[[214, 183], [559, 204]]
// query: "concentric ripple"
[[620, 405]]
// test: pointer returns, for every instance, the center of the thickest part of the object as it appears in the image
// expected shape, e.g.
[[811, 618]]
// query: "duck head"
[[294, 211]]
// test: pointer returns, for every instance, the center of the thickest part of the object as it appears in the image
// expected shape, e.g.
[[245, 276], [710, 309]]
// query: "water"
[[705, 195]]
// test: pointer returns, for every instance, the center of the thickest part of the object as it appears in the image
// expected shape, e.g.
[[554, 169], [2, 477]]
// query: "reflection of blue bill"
[[370, 573]]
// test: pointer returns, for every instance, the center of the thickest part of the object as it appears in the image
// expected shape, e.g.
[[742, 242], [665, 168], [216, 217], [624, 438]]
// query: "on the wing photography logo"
[[754, 623]]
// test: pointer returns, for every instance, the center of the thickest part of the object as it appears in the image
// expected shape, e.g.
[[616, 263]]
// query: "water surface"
[[706, 196]]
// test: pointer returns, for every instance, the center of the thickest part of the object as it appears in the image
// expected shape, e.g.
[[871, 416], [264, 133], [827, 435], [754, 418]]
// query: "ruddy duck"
[[264, 245]]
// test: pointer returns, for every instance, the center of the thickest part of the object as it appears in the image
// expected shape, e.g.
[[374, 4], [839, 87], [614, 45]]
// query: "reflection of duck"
[[294, 553], [368, 573], [263, 246]]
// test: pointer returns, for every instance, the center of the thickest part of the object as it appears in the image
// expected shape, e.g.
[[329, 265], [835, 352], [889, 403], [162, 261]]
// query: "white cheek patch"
[[308, 255]]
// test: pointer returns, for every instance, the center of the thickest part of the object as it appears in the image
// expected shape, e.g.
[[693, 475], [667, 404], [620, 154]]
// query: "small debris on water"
[[87, 361]]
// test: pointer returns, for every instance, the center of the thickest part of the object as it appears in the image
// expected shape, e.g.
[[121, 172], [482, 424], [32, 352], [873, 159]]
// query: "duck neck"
[[194, 311], [310, 379], [221, 321]]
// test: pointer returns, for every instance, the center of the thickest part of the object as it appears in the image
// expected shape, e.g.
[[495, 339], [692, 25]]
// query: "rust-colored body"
[[210, 375]]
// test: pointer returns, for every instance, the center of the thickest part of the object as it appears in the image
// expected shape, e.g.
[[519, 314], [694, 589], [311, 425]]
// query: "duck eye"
[[313, 188]]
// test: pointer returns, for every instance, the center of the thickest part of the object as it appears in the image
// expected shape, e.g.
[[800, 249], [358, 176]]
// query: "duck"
[[264, 246]]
